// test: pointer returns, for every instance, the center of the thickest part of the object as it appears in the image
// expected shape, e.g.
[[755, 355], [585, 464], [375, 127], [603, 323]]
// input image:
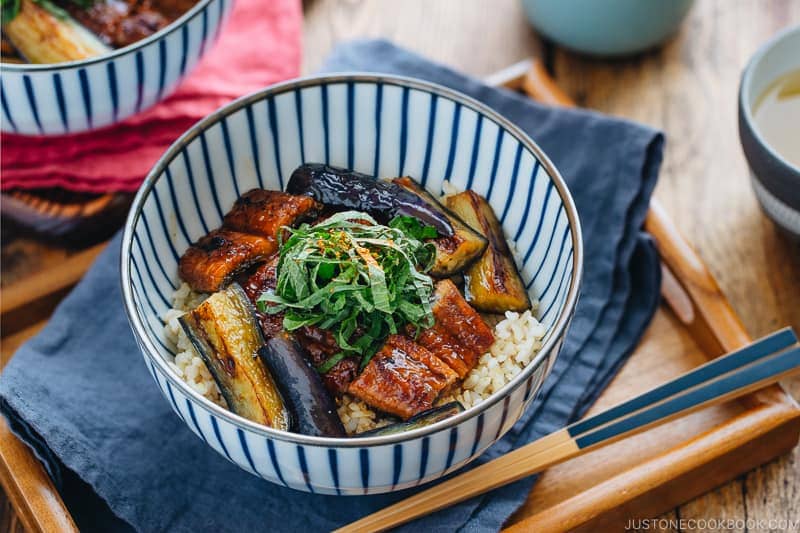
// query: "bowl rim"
[[160, 34], [553, 335], [745, 92]]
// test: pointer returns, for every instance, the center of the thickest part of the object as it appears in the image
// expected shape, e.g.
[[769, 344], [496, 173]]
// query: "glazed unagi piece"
[[321, 346], [460, 335], [119, 22], [403, 378], [264, 213], [448, 349], [212, 262], [262, 279], [249, 235]]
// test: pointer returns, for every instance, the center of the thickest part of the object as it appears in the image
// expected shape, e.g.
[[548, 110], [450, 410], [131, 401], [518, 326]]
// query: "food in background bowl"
[[97, 62], [377, 125], [55, 31], [349, 278]]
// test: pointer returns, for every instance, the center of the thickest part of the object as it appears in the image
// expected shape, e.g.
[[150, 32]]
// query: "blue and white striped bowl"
[[382, 125], [92, 93]]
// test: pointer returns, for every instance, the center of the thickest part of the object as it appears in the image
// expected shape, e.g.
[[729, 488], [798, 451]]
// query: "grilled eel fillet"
[[460, 335], [403, 378], [249, 234], [262, 279]]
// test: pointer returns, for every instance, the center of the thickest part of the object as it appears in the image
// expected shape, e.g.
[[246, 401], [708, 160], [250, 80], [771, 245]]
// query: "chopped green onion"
[[325, 367]]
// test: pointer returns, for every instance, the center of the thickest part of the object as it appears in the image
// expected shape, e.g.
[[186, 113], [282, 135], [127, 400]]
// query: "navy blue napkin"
[[79, 394]]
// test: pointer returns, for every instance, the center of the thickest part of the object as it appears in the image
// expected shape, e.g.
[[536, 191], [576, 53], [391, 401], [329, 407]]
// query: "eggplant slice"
[[348, 189], [224, 331], [453, 252], [493, 283], [425, 418], [313, 408]]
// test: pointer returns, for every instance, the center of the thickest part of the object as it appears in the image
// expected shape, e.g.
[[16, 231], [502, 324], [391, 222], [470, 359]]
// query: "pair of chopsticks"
[[741, 372]]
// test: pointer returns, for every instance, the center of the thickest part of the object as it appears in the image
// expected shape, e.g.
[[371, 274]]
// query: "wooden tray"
[[654, 472], [639, 477], [71, 218]]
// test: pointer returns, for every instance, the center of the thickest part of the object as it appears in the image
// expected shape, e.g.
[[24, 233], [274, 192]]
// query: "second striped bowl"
[[93, 93], [384, 126]]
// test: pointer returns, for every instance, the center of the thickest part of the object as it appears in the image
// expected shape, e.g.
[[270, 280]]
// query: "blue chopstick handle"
[[747, 376], [752, 352]]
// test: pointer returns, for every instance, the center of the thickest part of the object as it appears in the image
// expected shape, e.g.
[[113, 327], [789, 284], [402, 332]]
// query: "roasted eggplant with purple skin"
[[453, 252], [425, 418], [224, 331], [301, 386], [349, 189], [493, 283]]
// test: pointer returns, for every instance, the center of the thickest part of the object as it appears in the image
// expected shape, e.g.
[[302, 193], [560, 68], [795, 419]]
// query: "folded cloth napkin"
[[80, 396], [259, 45]]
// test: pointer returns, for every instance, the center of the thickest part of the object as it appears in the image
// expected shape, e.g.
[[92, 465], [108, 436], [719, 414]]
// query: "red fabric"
[[259, 45]]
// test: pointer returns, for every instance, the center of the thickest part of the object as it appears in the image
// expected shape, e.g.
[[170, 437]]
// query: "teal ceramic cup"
[[607, 27]]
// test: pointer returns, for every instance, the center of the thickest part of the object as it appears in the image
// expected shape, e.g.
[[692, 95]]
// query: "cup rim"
[[745, 91], [552, 337], [160, 34]]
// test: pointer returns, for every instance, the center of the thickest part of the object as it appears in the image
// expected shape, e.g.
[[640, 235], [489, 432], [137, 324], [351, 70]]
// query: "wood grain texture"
[[689, 88], [22, 256], [477, 37], [9, 520], [49, 280], [37, 504], [32, 299]]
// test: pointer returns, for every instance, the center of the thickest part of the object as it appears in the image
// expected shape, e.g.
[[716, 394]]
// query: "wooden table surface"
[[687, 88]]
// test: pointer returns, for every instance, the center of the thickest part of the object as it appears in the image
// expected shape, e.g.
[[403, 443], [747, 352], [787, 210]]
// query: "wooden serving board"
[[639, 477]]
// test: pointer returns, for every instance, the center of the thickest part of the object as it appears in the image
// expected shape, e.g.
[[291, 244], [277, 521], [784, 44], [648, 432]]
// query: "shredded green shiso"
[[360, 280]]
